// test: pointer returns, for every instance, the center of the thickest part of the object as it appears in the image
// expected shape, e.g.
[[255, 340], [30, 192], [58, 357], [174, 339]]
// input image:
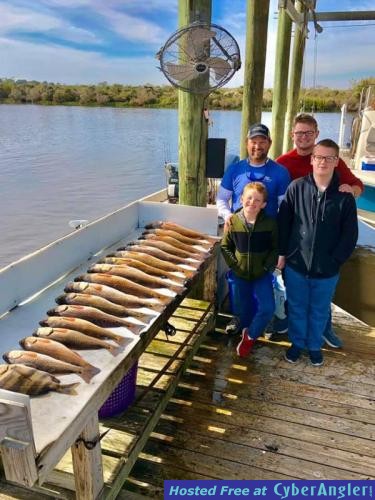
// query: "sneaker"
[[280, 325], [246, 344], [233, 327], [316, 358], [292, 354], [332, 339]]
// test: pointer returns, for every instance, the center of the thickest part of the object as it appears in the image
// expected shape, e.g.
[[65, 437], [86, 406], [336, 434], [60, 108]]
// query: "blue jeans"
[[309, 306], [259, 291]]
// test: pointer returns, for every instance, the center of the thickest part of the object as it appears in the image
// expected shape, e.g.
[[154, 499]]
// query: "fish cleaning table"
[[36, 432]]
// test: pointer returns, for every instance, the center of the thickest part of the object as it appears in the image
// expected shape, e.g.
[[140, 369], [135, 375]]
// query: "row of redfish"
[[111, 292]]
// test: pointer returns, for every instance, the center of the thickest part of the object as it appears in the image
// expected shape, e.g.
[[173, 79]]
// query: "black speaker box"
[[215, 158]]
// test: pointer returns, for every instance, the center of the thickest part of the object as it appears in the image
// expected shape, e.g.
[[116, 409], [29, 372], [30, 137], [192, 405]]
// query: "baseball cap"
[[258, 129]]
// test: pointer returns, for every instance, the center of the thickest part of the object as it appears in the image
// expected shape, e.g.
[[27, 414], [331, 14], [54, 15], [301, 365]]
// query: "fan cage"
[[234, 58]]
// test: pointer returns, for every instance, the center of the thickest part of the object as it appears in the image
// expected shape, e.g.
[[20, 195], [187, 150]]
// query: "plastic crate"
[[122, 396]]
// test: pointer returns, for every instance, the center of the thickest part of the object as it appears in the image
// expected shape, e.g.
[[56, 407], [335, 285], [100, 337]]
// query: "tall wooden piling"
[[255, 61], [300, 35], [193, 127], [280, 86]]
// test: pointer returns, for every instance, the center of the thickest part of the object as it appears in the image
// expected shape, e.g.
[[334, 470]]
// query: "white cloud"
[[26, 20], [57, 64], [134, 28]]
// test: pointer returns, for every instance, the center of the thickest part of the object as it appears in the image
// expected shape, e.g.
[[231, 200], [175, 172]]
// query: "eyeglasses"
[[328, 159], [308, 133]]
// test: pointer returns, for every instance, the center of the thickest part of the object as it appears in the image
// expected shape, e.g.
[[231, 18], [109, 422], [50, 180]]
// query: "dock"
[[231, 418]]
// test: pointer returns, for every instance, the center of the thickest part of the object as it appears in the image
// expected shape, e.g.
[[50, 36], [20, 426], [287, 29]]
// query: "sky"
[[92, 41]]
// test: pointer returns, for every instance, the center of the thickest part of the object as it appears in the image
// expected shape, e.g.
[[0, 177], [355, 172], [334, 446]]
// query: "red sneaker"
[[245, 346]]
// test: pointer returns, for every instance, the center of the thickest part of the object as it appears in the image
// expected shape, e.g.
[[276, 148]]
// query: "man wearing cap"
[[256, 167]]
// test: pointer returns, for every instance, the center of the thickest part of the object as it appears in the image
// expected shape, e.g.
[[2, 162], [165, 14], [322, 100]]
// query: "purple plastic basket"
[[122, 396]]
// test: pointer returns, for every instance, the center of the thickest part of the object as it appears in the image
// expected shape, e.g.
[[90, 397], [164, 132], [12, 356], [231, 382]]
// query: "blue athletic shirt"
[[275, 177]]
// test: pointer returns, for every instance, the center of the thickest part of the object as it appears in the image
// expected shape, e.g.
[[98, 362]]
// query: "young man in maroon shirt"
[[298, 162]]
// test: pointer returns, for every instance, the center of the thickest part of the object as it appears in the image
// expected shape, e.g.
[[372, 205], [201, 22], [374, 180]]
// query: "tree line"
[[163, 96]]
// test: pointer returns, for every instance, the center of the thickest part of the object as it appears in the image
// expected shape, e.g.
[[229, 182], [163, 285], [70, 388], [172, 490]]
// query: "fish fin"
[[89, 372], [68, 388]]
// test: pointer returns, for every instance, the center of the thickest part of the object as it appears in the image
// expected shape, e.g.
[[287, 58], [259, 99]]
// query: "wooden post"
[[295, 78], [17, 446], [193, 128], [87, 463], [255, 61], [280, 85]]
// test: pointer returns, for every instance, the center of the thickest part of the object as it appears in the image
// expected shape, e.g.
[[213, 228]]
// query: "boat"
[[361, 155]]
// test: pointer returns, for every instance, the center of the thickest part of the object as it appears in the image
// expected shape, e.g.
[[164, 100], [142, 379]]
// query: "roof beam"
[[364, 15]]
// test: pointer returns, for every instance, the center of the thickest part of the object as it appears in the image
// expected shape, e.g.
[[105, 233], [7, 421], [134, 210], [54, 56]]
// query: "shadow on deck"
[[263, 418]]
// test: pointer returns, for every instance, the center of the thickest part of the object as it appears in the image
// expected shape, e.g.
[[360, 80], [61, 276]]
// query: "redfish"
[[97, 316], [59, 352], [113, 295], [154, 261], [166, 247], [85, 299], [124, 285], [138, 246], [48, 364], [137, 276], [190, 233], [137, 264], [190, 249], [180, 237], [75, 339], [82, 326]]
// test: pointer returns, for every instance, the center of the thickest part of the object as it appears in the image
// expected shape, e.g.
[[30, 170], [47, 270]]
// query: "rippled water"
[[62, 163]]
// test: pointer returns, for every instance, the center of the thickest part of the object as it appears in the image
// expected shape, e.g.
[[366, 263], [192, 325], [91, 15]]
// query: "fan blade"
[[196, 40], [220, 66], [181, 71]]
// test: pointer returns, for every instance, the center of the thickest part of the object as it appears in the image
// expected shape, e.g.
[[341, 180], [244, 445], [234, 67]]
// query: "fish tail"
[[114, 349], [136, 329], [177, 288], [156, 306], [145, 318], [67, 388], [89, 372], [120, 340]]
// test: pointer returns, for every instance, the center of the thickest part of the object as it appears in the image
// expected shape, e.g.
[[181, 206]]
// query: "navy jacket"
[[317, 236]]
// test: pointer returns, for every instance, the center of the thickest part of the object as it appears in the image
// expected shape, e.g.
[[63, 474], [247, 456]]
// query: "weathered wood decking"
[[263, 418], [259, 418]]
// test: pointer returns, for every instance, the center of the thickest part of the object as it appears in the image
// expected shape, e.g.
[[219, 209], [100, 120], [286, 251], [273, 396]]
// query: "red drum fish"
[[113, 295], [82, 326], [166, 247], [124, 285], [48, 364], [137, 276], [172, 226], [180, 237], [84, 299], [75, 339], [94, 315], [155, 252]]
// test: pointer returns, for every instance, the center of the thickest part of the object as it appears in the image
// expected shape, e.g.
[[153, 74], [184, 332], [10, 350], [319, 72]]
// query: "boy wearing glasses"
[[298, 162], [318, 231], [250, 249]]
